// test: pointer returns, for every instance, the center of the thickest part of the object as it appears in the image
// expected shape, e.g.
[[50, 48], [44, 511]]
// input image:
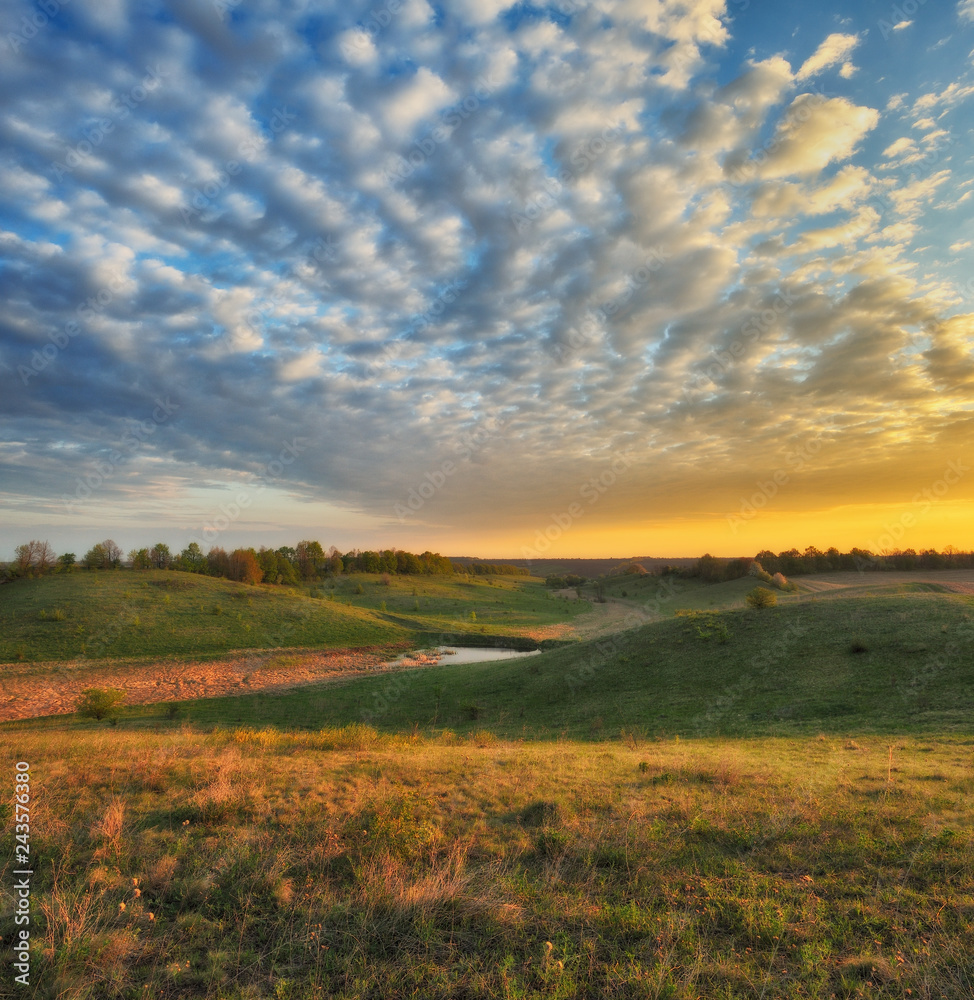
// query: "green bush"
[[761, 597], [99, 703]]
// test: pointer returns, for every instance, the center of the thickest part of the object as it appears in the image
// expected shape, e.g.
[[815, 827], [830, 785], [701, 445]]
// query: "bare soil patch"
[[32, 690]]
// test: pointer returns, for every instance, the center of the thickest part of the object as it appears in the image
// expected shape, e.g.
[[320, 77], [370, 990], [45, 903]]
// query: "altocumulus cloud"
[[705, 213]]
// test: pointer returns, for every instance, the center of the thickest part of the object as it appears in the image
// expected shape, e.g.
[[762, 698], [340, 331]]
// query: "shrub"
[[99, 703], [761, 597]]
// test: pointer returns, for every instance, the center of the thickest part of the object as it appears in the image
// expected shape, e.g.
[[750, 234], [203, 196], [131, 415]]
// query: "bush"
[[761, 597], [99, 703]]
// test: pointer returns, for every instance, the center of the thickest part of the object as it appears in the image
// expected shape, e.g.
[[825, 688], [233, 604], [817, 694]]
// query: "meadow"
[[164, 613], [715, 802]]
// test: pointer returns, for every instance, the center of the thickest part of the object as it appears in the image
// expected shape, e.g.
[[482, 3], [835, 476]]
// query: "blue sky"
[[439, 275]]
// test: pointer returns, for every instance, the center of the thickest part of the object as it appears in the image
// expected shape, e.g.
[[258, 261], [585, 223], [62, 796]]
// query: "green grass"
[[161, 613], [343, 864], [790, 669], [721, 804], [502, 605]]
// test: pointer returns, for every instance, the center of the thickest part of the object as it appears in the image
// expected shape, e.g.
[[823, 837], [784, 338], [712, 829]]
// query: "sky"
[[595, 278]]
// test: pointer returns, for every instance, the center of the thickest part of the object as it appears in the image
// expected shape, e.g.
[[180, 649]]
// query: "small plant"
[[359, 589], [473, 616], [217, 609], [761, 597], [58, 614], [172, 710], [43, 614], [857, 646], [99, 703], [382, 606], [471, 710]]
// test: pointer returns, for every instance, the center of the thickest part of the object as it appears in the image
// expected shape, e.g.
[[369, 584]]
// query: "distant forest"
[[308, 561]]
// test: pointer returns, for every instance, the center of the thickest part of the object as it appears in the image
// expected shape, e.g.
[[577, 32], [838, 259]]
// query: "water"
[[480, 654]]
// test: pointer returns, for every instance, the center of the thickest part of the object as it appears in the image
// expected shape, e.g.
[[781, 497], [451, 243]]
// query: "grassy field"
[[245, 864], [876, 664], [720, 803], [161, 613], [486, 605]]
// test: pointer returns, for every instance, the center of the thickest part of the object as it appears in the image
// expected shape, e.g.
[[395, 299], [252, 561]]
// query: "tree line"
[[794, 563], [306, 561]]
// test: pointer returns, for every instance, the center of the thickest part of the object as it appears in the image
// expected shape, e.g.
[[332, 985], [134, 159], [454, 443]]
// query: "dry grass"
[[349, 864]]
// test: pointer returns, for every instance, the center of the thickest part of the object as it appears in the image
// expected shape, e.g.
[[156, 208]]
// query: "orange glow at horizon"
[[876, 527]]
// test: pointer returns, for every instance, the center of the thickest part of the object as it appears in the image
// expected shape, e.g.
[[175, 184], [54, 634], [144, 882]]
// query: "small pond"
[[480, 654]]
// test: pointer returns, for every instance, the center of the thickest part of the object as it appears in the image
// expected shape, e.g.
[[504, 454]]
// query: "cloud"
[[831, 52], [541, 232], [965, 10], [814, 132]]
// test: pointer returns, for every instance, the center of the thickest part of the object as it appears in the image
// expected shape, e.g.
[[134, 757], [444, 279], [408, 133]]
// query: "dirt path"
[[607, 618], [52, 689]]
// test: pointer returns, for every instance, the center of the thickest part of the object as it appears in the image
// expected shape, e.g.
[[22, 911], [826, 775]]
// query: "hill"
[[869, 664], [157, 613], [721, 802]]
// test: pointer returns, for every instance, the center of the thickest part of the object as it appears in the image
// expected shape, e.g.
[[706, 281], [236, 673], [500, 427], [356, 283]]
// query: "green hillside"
[[166, 613], [872, 664]]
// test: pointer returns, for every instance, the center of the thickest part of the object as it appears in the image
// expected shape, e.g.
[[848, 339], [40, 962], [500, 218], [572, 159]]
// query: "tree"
[[245, 567], [310, 557], [160, 555], [192, 558], [761, 597], [25, 556], [66, 561], [96, 557], [140, 559], [217, 562], [113, 554], [45, 557], [99, 703], [34, 555]]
